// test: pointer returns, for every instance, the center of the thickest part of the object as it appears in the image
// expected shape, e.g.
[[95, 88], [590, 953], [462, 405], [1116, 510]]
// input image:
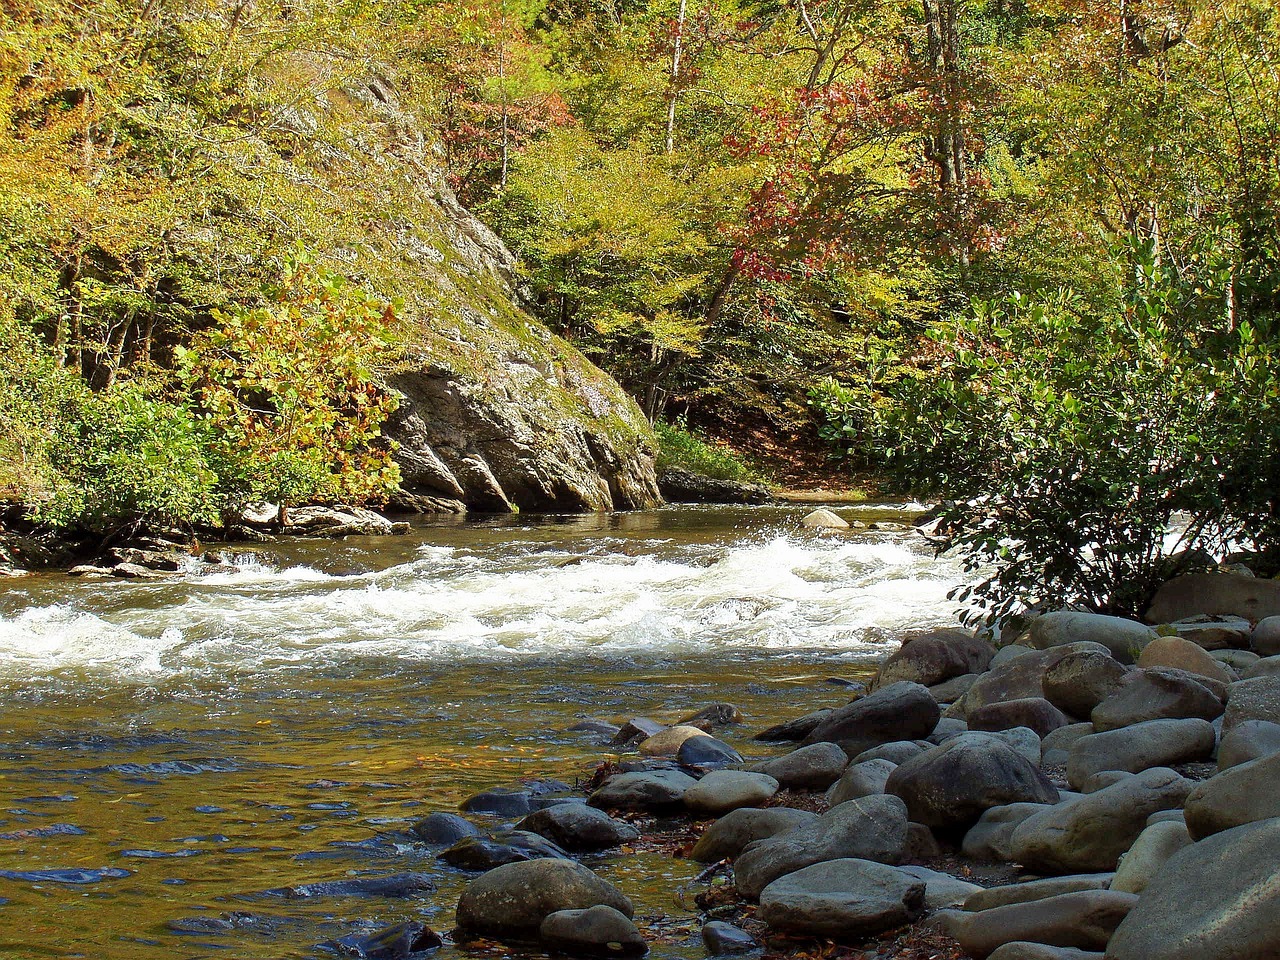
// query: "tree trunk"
[[673, 91]]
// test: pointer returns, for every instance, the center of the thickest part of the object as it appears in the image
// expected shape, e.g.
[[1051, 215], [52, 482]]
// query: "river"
[[172, 750]]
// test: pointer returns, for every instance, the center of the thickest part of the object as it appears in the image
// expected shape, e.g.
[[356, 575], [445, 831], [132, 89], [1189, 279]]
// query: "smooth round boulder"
[[860, 780], [705, 752], [931, 658], [1214, 594], [578, 827], [723, 790], [643, 791], [814, 767], [1256, 699], [729, 835], [1265, 638], [1025, 950], [637, 729], [1265, 667], [1085, 920], [988, 839], [1237, 660], [1179, 653], [600, 931], [1029, 890], [1144, 860], [1222, 633], [1248, 740], [1141, 746], [1017, 678], [1124, 638], [444, 828], [1035, 713], [513, 900], [950, 786], [722, 939], [871, 828], [1022, 740], [896, 751], [942, 891], [845, 898], [1243, 794], [1158, 694], [1078, 683], [485, 853], [666, 743], [949, 691], [714, 715], [1057, 745], [1089, 833], [823, 519], [1217, 899], [900, 711], [790, 731]]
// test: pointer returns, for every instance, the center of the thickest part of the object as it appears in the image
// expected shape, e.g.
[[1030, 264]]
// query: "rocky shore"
[[1099, 788]]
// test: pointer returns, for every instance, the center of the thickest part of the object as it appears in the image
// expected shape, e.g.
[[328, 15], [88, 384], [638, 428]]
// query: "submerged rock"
[[513, 900], [722, 938], [485, 853], [395, 943]]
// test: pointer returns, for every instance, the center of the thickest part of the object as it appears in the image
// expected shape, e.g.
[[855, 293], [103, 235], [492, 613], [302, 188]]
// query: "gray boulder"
[[1009, 651], [1020, 740], [1213, 900], [1237, 660], [600, 930], [823, 519], [1248, 740], [1243, 794], [990, 837], [1266, 667], [667, 741], [900, 711], [1158, 694], [947, 728], [513, 900], [729, 835], [637, 729], [1018, 678], [1222, 633], [898, 751], [1085, 920], [861, 780], [1141, 746], [485, 853], [722, 938], [952, 785], [1078, 683], [704, 752], [1057, 746], [444, 828], [845, 898], [1256, 699], [942, 891], [935, 657], [643, 791], [1179, 653], [791, 731], [949, 691], [578, 827], [1265, 638], [1091, 832], [1035, 713], [1031, 890], [1024, 950], [1124, 638], [1154, 846], [723, 790], [871, 828], [1252, 598], [814, 767]]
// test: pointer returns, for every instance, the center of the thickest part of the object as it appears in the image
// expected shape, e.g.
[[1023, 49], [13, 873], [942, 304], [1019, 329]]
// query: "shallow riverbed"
[[172, 749]]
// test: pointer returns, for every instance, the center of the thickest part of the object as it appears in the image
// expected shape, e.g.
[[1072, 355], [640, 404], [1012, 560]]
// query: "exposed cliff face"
[[497, 414]]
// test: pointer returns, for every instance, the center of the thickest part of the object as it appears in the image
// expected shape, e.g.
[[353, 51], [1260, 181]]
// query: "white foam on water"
[[772, 592]]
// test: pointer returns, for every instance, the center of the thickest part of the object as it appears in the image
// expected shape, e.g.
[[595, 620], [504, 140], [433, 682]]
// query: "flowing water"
[[173, 751]]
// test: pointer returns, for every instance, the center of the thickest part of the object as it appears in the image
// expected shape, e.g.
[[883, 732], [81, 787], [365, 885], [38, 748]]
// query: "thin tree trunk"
[[673, 91]]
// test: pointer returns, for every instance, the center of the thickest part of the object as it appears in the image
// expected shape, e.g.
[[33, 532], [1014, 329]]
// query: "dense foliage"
[[1022, 252]]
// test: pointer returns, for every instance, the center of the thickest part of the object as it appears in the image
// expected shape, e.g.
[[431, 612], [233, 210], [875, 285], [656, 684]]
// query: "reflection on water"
[[171, 749]]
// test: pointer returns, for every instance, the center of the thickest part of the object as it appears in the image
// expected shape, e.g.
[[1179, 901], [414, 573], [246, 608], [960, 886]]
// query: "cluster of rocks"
[[1118, 779]]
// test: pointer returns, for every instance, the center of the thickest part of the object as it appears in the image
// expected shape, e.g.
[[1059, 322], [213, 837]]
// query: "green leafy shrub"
[[681, 449], [1095, 455]]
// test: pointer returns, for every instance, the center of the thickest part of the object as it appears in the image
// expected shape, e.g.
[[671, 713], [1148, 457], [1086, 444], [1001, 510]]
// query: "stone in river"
[[845, 898], [444, 828], [723, 790], [814, 767], [1085, 920], [861, 780], [513, 900], [722, 938], [729, 835], [793, 730], [707, 751], [1158, 694], [643, 791], [578, 827], [394, 943], [1078, 683], [1240, 795], [1036, 713], [485, 853], [900, 711], [1141, 746], [667, 743], [1124, 638], [1248, 740], [599, 931]]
